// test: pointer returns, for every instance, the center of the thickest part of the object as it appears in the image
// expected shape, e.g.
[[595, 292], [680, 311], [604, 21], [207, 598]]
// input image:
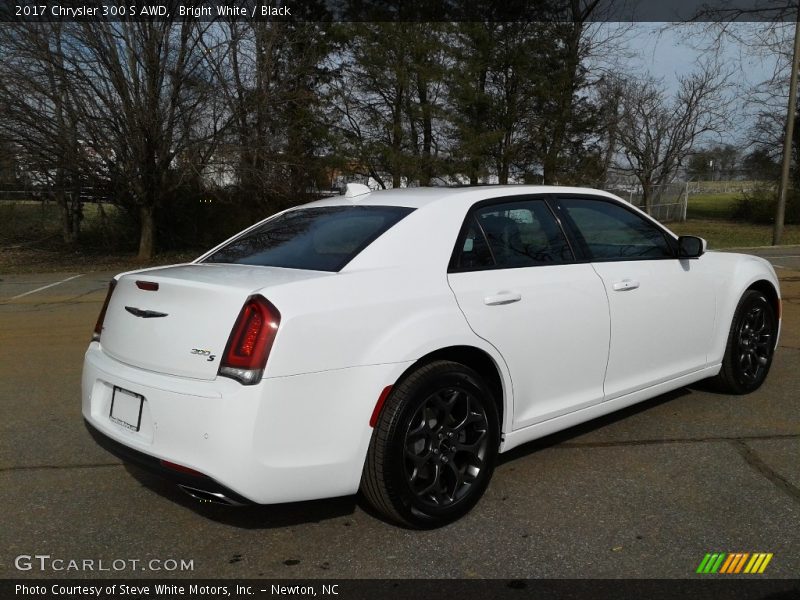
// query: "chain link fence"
[[668, 202]]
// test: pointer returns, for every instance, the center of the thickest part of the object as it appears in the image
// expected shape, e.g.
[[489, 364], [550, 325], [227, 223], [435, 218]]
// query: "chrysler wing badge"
[[145, 314]]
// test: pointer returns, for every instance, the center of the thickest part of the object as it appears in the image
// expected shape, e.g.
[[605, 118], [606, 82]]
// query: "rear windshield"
[[318, 239]]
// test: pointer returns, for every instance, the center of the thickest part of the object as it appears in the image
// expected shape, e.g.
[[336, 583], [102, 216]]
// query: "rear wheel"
[[751, 345], [434, 446]]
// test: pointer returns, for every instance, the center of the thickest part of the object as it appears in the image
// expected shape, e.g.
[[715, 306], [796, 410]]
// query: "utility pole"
[[780, 212]]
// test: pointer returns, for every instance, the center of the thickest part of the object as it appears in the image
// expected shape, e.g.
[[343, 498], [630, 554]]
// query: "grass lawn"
[[734, 234], [28, 222], [710, 216], [711, 206], [31, 242]]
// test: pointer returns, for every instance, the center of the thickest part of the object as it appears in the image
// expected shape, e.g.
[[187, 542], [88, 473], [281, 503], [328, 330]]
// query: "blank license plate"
[[126, 408]]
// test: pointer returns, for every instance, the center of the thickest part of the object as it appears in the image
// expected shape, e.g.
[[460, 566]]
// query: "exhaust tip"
[[206, 496]]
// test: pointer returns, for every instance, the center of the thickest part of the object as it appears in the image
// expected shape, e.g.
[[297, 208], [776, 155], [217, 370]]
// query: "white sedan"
[[396, 341]]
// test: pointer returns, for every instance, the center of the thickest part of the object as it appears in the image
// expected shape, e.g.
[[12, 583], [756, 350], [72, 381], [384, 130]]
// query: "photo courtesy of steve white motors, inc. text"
[[171, 589], [115, 10]]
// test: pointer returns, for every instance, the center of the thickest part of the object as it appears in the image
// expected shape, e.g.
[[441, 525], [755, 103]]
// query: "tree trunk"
[[147, 236], [504, 168], [646, 199], [397, 137], [68, 232], [550, 166], [77, 216], [503, 173], [427, 131]]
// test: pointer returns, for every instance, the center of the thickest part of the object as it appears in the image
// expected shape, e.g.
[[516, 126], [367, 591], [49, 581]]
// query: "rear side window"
[[512, 234], [318, 239], [611, 232]]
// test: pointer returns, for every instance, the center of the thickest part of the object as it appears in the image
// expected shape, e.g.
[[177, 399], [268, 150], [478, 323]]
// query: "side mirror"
[[690, 246]]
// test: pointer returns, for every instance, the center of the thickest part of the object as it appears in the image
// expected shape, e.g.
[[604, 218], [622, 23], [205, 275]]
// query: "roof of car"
[[417, 197]]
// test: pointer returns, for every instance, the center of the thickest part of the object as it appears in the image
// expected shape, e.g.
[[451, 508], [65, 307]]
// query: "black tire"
[[433, 450], [751, 345]]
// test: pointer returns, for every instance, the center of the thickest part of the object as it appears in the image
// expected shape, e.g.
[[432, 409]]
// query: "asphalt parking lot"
[[644, 493]]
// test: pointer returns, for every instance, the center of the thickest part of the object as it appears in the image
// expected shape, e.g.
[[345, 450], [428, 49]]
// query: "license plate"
[[126, 408]]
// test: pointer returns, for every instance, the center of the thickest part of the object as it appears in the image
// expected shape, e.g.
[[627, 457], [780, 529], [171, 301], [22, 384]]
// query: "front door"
[[662, 307]]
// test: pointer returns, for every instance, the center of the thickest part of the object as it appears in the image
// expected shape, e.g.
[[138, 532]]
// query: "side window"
[[513, 234], [475, 253], [611, 232]]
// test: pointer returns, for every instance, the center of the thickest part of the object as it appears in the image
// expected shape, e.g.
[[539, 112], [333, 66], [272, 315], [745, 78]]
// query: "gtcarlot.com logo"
[[732, 563], [45, 562]]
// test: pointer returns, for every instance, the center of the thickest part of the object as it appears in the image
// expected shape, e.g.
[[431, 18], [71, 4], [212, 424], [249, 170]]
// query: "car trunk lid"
[[182, 327]]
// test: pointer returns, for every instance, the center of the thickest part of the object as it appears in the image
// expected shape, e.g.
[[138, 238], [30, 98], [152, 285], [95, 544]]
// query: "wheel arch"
[[734, 275], [482, 363], [768, 289]]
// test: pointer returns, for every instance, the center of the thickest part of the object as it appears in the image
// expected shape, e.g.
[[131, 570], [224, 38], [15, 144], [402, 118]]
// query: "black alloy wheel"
[[751, 345], [434, 446], [446, 445]]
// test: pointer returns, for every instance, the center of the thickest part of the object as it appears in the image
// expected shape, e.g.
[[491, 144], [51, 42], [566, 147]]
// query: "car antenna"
[[356, 189]]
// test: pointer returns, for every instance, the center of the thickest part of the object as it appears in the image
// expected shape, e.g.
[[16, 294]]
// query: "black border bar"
[[731, 588], [404, 10]]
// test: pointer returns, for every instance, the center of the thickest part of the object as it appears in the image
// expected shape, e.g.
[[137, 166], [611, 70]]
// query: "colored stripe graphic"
[[740, 562], [764, 564], [711, 562], [715, 567], [701, 568], [727, 564], [755, 562], [734, 563]]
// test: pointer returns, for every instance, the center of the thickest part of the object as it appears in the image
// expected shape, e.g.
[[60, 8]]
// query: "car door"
[[662, 307], [515, 279]]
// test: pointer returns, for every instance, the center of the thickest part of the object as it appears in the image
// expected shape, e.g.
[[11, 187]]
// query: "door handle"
[[501, 298], [625, 285]]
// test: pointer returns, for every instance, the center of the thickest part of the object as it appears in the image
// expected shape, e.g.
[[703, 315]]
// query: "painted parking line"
[[44, 287]]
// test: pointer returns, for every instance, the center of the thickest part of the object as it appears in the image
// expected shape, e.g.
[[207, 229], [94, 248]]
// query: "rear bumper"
[[153, 465], [286, 439]]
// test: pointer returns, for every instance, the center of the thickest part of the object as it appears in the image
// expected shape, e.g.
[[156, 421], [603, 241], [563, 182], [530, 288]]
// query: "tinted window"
[[612, 232], [513, 234], [319, 239], [475, 252]]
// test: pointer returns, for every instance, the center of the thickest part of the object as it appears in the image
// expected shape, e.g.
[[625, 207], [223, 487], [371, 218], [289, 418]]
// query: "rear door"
[[662, 307], [515, 280]]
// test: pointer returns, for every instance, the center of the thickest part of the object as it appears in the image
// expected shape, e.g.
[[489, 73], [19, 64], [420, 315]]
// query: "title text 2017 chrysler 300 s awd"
[[396, 341]]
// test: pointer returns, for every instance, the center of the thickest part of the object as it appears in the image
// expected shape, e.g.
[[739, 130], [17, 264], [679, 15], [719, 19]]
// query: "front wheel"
[[751, 345], [434, 446]]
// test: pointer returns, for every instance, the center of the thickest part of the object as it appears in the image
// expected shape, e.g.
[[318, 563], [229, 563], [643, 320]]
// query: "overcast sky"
[[669, 52]]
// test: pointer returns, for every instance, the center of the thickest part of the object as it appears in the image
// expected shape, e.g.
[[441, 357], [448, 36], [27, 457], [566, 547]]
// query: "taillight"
[[250, 341], [148, 286], [98, 328]]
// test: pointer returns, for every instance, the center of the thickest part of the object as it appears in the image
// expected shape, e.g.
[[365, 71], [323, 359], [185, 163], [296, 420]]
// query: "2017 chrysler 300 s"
[[396, 341]]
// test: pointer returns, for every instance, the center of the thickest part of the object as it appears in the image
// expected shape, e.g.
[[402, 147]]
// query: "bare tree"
[[141, 95], [767, 38], [121, 101], [655, 136], [39, 115]]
